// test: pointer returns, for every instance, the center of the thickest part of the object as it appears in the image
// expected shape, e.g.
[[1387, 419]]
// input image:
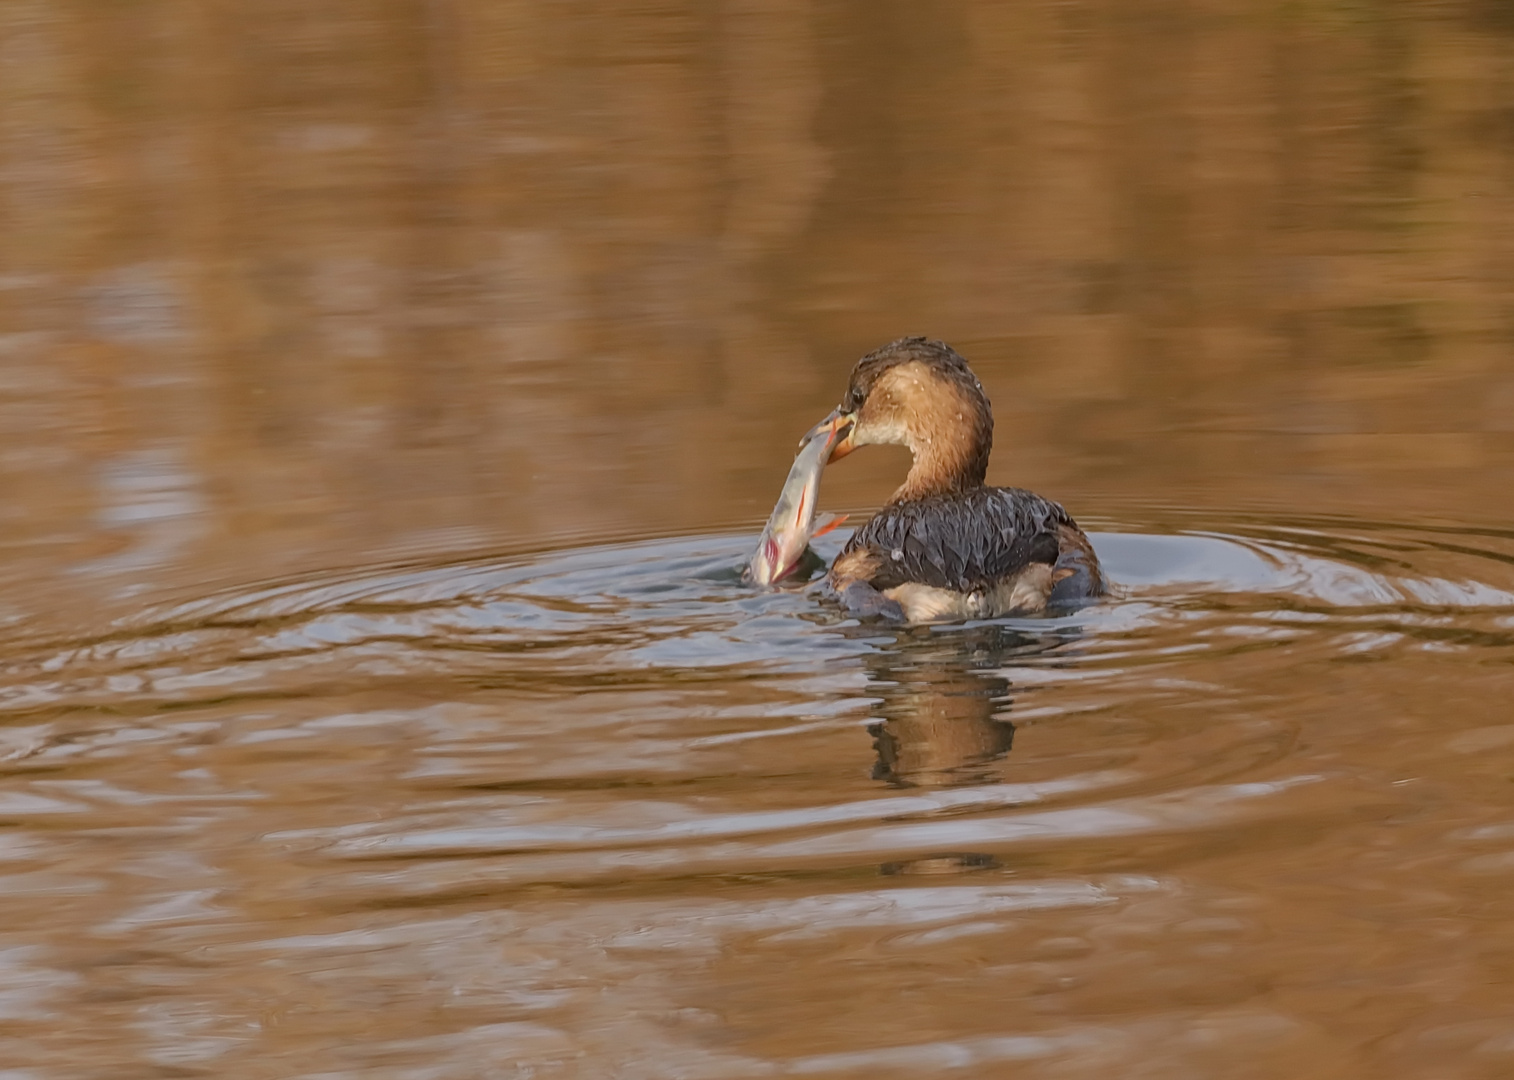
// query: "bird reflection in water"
[[945, 700], [943, 716]]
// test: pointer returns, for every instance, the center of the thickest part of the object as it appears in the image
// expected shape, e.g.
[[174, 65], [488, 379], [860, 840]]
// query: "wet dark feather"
[[962, 541]]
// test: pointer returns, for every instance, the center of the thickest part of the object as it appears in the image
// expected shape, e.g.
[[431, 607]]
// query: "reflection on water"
[[315, 318], [944, 704], [606, 805], [397, 278]]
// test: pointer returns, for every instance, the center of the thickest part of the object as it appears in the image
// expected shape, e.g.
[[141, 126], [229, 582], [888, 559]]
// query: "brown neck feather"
[[950, 434], [935, 408], [938, 470]]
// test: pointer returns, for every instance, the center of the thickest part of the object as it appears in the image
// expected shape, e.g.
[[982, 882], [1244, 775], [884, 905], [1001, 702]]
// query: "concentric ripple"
[[620, 762]]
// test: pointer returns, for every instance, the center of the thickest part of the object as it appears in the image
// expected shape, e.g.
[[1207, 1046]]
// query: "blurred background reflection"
[[286, 285]]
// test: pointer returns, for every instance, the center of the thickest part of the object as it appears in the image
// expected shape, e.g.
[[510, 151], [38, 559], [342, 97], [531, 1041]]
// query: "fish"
[[792, 524]]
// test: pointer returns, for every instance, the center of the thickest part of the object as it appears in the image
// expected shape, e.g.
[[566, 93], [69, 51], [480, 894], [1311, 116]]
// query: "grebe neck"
[[943, 464]]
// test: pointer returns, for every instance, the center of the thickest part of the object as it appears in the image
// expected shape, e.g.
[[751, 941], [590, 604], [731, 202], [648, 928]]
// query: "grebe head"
[[921, 394]]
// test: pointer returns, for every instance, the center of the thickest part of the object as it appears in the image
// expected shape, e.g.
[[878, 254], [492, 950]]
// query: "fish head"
[[773, 560]]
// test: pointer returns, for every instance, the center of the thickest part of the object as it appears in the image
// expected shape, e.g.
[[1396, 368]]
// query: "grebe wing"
[[962, 541]]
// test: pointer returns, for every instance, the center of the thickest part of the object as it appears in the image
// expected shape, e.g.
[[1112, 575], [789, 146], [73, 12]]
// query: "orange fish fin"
[[829, 525]]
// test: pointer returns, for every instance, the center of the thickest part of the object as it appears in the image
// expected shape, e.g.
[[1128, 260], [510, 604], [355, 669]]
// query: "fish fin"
[[829, 525]]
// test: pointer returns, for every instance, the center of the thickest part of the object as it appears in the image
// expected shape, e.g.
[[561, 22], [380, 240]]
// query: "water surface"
[[606, 812], [389, 389]]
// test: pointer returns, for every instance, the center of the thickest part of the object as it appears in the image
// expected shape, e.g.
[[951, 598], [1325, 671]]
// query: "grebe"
[[945, 546]]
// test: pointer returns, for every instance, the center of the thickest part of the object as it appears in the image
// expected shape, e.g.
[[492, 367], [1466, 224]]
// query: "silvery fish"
[[781, 548]]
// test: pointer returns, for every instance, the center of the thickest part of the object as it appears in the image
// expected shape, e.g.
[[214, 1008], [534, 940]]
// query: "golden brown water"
[[389, 391]]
